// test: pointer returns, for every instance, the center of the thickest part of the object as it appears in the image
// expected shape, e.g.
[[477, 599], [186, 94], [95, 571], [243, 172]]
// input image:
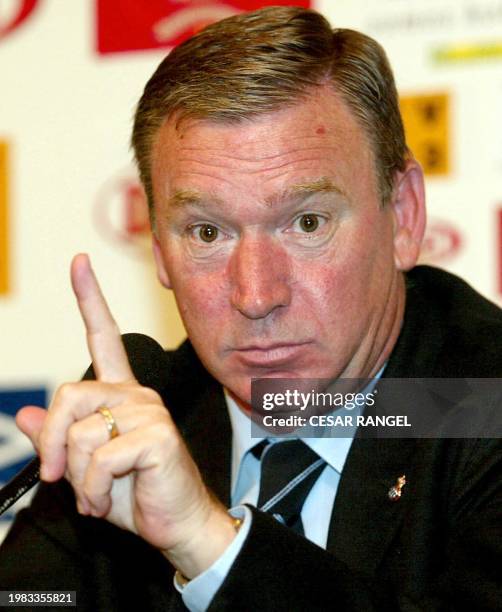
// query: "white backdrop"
[[68, 184]]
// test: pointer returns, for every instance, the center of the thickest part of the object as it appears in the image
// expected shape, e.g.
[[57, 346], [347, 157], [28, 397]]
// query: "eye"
[[208, 233], [308, 223]]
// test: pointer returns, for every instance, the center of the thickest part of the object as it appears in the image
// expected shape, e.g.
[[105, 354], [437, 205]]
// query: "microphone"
[[146, 357]]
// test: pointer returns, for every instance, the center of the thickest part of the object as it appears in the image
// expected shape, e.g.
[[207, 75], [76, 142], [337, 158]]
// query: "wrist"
[[181, 580], [206, 544]]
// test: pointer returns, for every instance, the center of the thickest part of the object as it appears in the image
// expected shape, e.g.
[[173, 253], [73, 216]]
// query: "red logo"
[[121, 213], [16, 13], [441, 243], [130, 25]]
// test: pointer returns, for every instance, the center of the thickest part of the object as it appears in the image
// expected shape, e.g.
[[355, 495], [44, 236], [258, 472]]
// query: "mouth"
[[270, 355]]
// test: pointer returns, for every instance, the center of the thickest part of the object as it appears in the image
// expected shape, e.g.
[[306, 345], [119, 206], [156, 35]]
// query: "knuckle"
[[165, 435], [149, 400], [152, 396], [64, 394], [66, 390], [75, 435], [160, 418], [145, 395], [100, 460]]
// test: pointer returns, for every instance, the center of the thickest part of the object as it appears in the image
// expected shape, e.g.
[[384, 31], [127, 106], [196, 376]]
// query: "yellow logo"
[[468, 52], [4, 219], [426, 123]]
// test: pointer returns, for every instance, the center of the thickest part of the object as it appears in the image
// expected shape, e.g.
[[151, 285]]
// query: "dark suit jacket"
[[438, 548]]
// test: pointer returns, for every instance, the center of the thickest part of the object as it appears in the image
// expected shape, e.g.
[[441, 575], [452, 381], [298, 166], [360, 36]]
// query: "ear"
[[408, 205], [162, 274]]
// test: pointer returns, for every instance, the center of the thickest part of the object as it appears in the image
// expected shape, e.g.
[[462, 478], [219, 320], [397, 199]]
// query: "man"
[[286, 211]]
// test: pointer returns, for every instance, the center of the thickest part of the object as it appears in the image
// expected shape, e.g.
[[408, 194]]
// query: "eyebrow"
[[190, 197], [182, 198], [301, 191]]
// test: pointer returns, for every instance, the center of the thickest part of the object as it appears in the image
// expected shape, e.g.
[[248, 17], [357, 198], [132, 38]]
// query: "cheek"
[[200, 298], [324, 294], [348, 281], [335, 295]]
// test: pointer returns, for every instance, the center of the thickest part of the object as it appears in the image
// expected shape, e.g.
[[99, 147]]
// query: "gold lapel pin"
[[396, 491]]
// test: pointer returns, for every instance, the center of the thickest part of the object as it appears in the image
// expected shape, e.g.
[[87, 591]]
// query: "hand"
[[143, 480]]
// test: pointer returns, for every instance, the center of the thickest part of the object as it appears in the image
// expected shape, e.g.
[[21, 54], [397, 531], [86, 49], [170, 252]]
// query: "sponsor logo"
[[121, 213], [442, 242], [13, 14], [129, 25], [15, 448], [426, 123], [468, 52], [4, 219]]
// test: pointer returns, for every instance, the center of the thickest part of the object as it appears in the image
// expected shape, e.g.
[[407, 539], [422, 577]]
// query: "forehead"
[[316, 138]]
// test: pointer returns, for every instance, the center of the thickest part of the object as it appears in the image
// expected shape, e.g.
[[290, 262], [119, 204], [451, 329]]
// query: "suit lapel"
[[209, 438], [364, 519]]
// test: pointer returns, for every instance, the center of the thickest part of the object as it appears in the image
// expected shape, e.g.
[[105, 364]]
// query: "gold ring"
[[111, 425]]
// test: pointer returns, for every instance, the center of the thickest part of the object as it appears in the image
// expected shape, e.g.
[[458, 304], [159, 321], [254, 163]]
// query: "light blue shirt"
[[245, 484]]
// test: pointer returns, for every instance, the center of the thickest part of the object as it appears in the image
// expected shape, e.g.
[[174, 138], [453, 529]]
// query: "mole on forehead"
[[187, 197]]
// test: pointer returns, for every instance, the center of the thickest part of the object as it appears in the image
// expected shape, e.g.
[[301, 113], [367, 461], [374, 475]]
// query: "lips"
[[271, 355]]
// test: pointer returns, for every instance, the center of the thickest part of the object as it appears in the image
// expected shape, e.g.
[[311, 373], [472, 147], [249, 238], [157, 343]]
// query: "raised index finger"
[[103, 336]]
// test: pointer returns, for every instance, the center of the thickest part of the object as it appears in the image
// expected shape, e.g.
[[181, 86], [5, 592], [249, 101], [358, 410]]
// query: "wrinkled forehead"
[[322, 103], [320, 120], [274, 162]]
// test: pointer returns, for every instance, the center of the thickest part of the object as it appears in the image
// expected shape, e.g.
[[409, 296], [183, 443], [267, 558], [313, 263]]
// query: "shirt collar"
[[333, 450], [241, 435]]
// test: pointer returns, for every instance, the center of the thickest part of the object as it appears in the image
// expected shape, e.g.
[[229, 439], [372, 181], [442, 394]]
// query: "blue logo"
[[15, 449]]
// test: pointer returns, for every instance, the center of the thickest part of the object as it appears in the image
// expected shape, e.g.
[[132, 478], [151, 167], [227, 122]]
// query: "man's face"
[[273, 238]]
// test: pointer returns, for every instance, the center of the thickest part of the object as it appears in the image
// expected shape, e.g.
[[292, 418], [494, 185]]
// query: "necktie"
[[289, 470]]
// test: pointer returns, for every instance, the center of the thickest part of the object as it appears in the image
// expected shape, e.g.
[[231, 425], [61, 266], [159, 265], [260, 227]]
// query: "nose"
[[260, 277]]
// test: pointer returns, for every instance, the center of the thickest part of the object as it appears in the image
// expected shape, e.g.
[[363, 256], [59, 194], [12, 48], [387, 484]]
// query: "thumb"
[[30, 420]]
